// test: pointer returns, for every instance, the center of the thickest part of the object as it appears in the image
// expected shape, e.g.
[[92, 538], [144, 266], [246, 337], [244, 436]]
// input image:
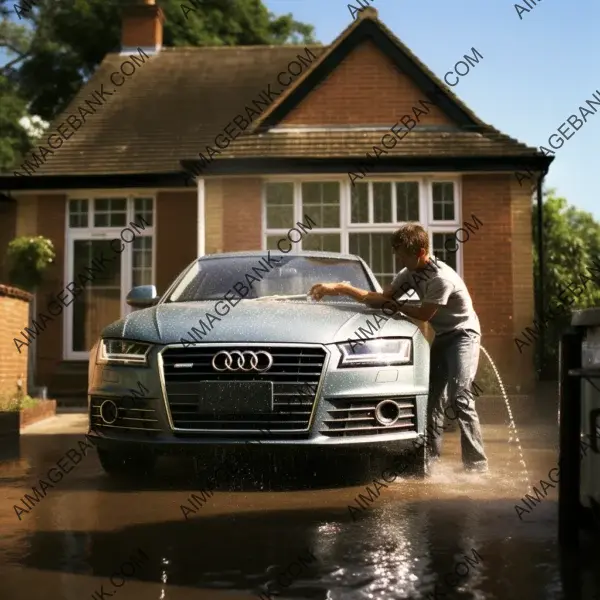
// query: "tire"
[[118, 464]]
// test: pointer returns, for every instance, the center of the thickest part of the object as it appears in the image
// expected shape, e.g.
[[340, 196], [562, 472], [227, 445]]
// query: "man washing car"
[[447, 306]]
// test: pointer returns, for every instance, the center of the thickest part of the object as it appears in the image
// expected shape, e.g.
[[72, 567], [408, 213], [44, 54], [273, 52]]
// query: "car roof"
[[260, 253]]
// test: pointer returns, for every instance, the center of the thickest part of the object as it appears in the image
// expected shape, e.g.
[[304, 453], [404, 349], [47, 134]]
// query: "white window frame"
[[443, 223], [91, 232], [346, 227]]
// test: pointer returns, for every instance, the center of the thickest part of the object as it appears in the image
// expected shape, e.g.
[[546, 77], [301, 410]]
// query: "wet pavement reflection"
[[453, 535]]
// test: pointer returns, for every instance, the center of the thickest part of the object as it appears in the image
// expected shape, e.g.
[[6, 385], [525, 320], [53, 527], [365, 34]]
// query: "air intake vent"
[[110, 415], [356, 417]]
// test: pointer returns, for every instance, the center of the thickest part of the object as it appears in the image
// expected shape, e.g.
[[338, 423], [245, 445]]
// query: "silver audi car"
[[235, 352]]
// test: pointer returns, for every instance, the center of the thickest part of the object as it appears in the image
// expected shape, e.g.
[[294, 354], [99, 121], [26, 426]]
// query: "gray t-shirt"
[[439, 284]]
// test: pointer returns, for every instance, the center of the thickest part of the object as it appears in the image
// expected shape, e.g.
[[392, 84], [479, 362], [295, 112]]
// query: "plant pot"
[[44, 410], [9, 427]]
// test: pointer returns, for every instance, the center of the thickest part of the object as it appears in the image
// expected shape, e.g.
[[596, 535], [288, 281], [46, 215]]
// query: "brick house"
[[225, 148]]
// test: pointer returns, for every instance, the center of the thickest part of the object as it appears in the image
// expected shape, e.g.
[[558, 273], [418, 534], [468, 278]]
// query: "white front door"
[[105, 258]]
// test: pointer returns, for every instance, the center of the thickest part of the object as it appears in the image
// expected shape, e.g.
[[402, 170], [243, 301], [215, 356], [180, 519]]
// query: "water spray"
[[512, 428]]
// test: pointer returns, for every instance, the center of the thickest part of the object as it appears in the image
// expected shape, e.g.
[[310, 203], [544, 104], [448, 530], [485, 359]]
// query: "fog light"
[[109, 412], [387, 412]]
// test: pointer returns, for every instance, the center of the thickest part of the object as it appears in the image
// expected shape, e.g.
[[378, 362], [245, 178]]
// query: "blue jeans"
[[454, 360]]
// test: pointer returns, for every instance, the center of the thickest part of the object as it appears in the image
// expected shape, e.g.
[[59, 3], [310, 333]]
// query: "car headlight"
[[379, 352], [123, 352]]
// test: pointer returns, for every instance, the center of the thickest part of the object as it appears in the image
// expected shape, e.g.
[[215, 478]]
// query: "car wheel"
[[131, 464]]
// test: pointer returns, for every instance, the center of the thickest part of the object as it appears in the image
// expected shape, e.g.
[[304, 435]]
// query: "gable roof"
[[175, 104], [367, 27]]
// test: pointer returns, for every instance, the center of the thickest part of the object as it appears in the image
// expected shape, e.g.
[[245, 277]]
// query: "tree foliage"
[[14, 142], [54, 46], [571, 239]]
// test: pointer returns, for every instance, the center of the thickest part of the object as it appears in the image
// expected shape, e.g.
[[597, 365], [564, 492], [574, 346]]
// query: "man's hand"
[[319, 290]]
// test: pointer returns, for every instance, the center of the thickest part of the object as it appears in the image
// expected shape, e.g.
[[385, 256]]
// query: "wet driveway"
[[454, 535]]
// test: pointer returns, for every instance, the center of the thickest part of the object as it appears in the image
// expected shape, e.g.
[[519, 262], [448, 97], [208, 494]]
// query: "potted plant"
[[10, 423], [28, 258], [18, 410]]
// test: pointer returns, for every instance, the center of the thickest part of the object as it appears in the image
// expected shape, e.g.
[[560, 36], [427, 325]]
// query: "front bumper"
[[145, 415]]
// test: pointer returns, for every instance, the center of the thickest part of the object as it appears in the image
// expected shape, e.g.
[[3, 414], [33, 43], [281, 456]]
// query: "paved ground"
[[411, 540]]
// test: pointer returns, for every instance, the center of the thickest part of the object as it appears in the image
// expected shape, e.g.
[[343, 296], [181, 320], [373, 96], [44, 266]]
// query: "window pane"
[[319, 196], [101, 205], [407, 201], [117, 219], [118, 204], [272, 242], [331, 214], [443, 200], [142, 209], [110, 212], [359, 203], [100, 301], [142, 261], [280, 205], [375, 249], [280, 217], [327, 242], [444, 248], [382, 202], [101, 220], [78, 213]]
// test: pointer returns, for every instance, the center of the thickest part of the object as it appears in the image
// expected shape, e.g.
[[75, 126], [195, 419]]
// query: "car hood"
[[258, 321]]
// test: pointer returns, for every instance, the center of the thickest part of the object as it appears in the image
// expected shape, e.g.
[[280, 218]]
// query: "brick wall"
[[213, 210], [176, 235], [523, 281], [142, 26], [50, 217], [498, 269], [14, 317], [242, 214], [365, 89]]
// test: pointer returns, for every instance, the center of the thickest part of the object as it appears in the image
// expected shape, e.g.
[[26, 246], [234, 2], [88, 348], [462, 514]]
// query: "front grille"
[[356, 416], [295, 374], [141, 418]]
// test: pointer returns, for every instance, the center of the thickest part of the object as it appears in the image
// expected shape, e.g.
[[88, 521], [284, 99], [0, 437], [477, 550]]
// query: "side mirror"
[[142, 296]]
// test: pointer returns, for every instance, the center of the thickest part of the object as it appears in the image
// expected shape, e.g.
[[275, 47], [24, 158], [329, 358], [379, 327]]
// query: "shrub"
[[11, 402], [28, 258]]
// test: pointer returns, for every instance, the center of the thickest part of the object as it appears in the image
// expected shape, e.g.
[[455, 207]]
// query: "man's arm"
[[424, 312], [345, 289], [436, 295]]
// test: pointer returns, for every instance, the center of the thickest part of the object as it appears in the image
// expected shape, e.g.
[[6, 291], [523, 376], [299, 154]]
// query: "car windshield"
[[211, 279]]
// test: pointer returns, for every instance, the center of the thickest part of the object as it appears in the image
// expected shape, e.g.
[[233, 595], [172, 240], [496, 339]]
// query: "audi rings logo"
[[242, 361]]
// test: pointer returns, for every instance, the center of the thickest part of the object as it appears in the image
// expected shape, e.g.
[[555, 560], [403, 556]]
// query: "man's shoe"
[[481, 467]]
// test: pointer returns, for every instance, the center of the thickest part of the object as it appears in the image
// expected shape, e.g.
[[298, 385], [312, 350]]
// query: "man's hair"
[[411, 238]]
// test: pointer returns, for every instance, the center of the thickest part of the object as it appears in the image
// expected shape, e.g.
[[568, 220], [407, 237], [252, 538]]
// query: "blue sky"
[[536, 72]]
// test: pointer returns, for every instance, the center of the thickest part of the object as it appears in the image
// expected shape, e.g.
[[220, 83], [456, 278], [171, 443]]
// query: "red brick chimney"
[[142, 26]]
